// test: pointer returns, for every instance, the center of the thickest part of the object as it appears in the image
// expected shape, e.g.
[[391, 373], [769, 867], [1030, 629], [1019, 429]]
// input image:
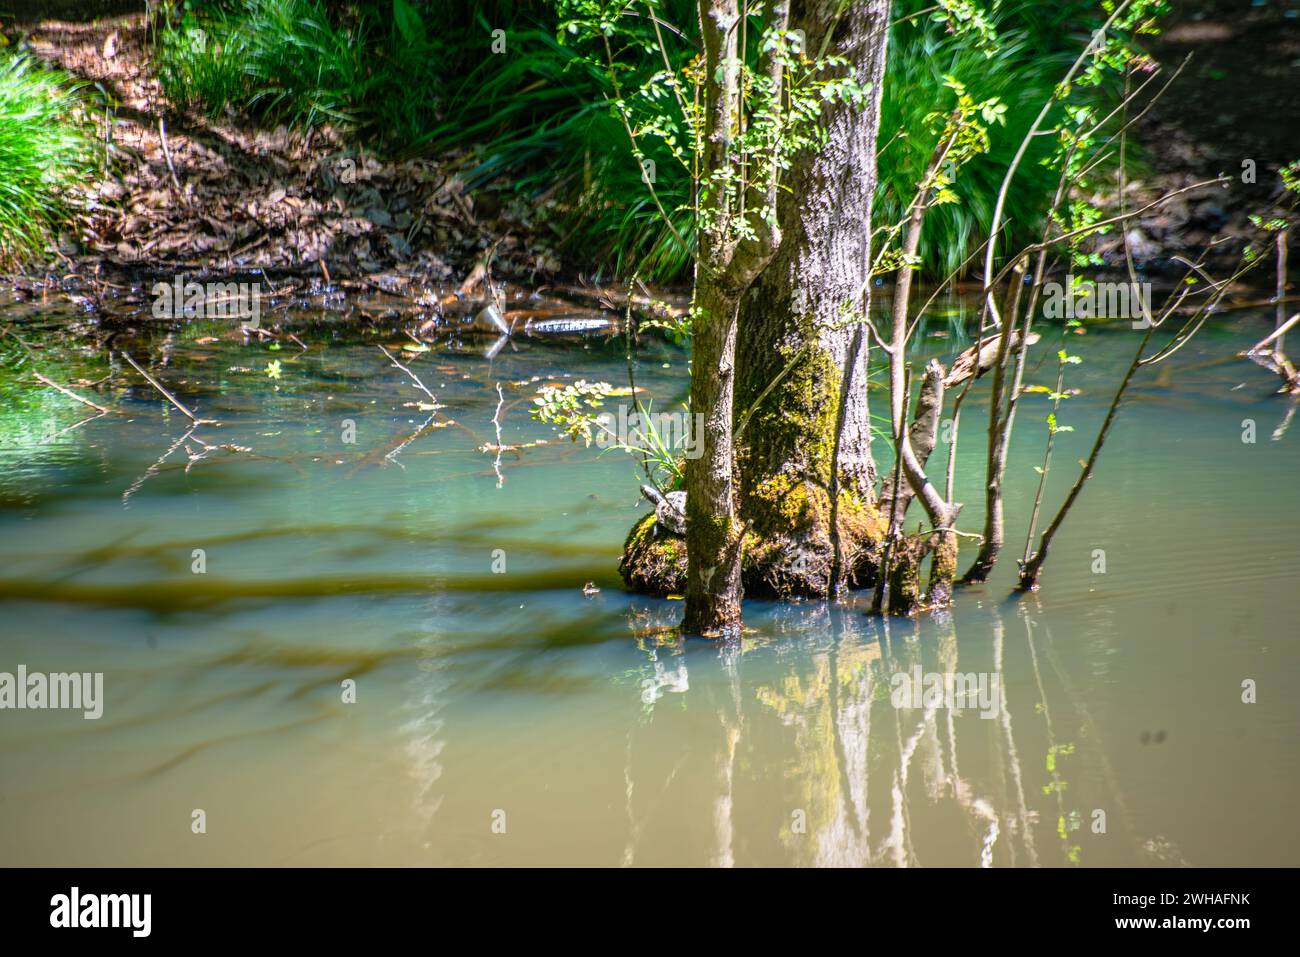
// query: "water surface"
[[511, 719]]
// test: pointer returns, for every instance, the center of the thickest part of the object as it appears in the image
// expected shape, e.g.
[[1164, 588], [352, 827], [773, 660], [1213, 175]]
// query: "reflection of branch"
[[206, 449], [496, 421], [76, 425], [153, 469], [1280, 432], [1088, 729], [392, 455], [1004, 721]]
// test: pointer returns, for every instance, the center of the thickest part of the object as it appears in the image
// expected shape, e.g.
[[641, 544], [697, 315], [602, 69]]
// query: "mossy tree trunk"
[[806, 472], [713, 587], [782, 382], [725, 268]]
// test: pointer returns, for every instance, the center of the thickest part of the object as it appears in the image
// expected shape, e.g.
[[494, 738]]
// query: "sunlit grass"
[[46, 145], [281, 60]]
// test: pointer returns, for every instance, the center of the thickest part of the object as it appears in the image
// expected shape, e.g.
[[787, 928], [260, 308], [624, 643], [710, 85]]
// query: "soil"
[[1231, 109]]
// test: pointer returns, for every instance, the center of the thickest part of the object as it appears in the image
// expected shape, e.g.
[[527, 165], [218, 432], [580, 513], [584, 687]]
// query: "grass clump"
[[1035, 45], [376, 68], [278, 60], [46, 147]]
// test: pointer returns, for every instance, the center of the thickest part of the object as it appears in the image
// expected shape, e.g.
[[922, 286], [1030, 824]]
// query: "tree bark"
[[1002, 411], [713, 588], [807, 477], [724, 270]]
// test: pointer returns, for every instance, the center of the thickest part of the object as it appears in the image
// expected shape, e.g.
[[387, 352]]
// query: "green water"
[[510, 719]]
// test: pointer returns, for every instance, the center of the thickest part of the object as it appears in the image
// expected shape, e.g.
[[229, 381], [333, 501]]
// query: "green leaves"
[[965, 16], [663, 110], [409, 24], [1053, 427], [993, 111], [571, 407]]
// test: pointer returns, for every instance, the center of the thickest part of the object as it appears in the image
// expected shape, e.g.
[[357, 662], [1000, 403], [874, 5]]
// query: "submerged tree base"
[[795, 558], [654, 560]]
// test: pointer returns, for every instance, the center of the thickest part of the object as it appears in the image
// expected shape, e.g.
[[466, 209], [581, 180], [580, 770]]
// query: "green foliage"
[[289, 61], [46, 147], [614, 217], [1021, 69], [544, 120], [573, 409], [734, 196], [960, 134], [280, 60], [202, 66]]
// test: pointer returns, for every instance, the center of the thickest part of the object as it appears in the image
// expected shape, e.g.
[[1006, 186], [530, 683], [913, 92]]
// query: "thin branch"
[[414, 378], [72, 395], [167, 395]]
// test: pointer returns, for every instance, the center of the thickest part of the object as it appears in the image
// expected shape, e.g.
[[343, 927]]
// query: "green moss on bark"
[[796, 421], [653, 565], [905, 577], [943, 570]]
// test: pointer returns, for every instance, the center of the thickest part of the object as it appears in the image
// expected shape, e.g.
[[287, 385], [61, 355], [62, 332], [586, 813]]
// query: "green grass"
[[282, 61], [377, 69], [1037, 43], [919, 59], [46, 147], [537, 124]]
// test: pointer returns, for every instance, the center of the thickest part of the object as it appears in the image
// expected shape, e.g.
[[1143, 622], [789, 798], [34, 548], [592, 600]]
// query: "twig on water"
[[167, 395], [414, 378], [72, 395]]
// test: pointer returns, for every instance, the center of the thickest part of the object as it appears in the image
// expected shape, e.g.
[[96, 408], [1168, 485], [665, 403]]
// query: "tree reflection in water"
[[767, 751]]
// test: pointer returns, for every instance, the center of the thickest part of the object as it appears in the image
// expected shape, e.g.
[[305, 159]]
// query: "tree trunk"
[[713, 588], [1002, 413], [725, 269], [806, 472]]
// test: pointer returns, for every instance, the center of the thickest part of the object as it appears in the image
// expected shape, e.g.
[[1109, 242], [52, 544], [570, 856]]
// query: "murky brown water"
[[509, 719]]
